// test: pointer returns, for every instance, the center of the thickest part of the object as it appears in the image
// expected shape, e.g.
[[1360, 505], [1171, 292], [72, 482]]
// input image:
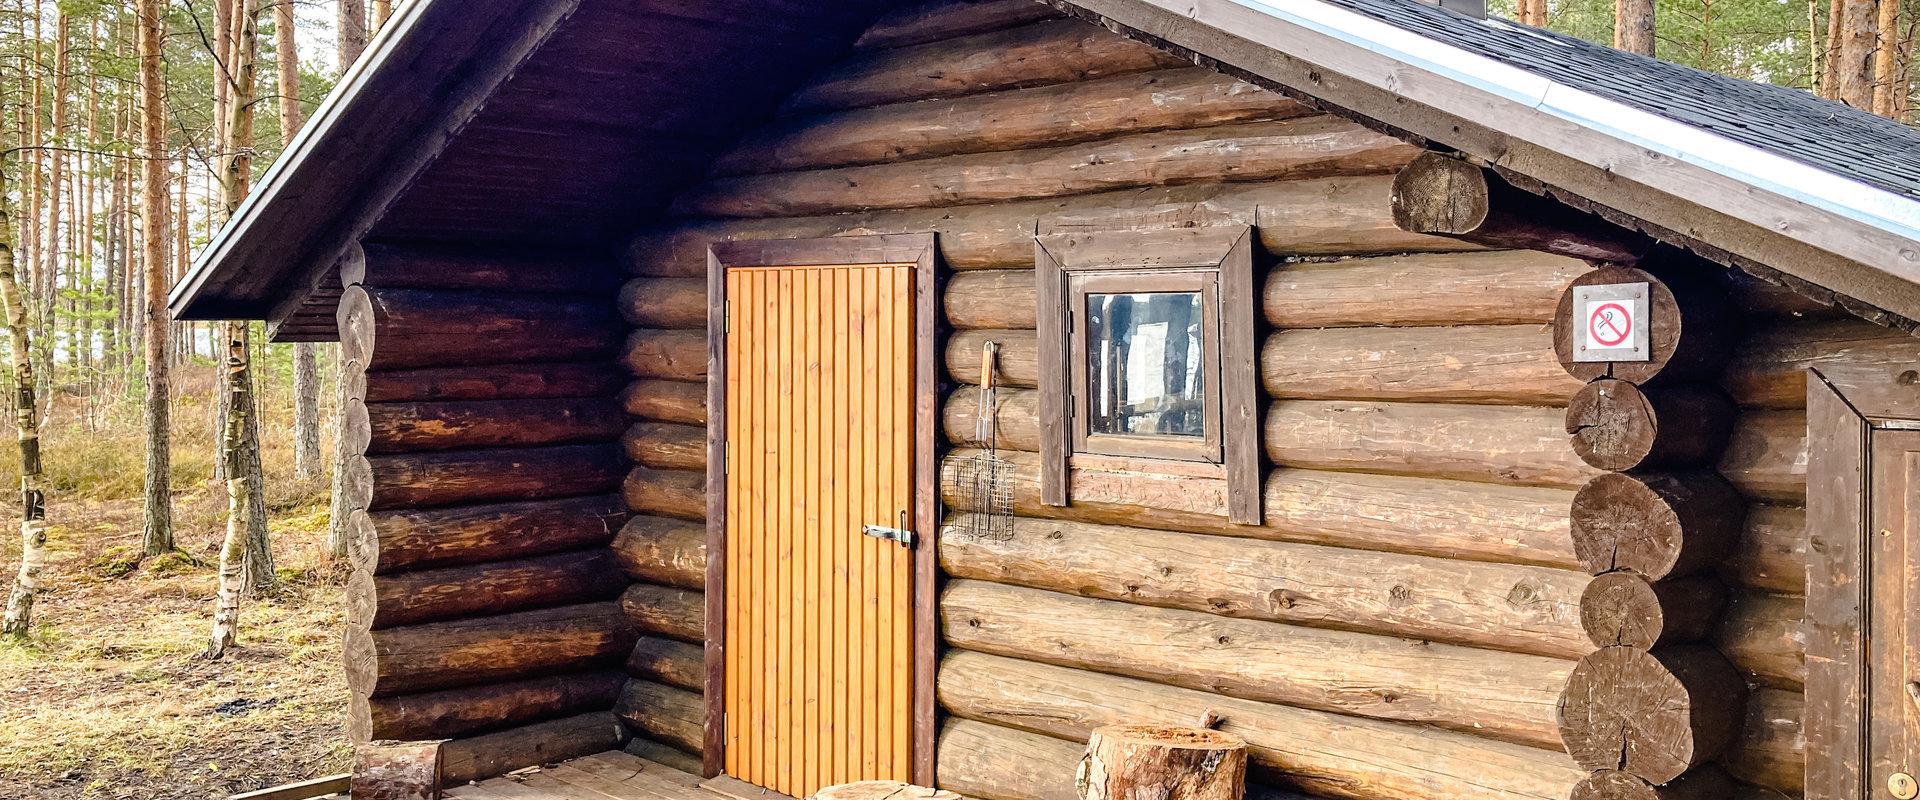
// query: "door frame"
[[1846, 404], [917, 249]]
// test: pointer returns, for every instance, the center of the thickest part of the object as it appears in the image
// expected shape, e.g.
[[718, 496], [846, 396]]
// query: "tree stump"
[[882, 790], [1160, 762]]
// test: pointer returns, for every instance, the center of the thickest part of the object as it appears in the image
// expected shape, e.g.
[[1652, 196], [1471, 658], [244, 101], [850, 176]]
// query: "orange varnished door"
[[820, 444]]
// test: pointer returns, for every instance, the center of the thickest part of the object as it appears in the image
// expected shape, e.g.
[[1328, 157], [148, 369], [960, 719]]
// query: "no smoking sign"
[[1610, 322]]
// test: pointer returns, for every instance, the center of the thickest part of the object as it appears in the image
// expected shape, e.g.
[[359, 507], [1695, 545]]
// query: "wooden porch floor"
[[607, 776]]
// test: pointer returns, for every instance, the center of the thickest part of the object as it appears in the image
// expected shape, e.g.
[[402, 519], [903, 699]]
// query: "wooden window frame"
[[1127, 260], [1846, 405], [920, 250]]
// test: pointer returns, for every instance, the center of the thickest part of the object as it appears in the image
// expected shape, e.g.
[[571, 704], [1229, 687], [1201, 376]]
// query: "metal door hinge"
[[901, 534]]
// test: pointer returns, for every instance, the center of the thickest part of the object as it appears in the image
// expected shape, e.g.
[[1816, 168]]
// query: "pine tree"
[[306, 369], [158, 536]]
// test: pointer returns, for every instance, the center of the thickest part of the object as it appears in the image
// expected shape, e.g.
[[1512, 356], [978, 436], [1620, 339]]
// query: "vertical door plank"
[[810, 570], [737, 441], [903, 447]]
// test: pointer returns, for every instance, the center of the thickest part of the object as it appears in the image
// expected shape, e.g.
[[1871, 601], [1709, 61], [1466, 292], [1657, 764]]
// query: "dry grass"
[[109, 697]]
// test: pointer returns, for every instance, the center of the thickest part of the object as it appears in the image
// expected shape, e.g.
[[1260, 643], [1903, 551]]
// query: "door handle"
[[902, 534]]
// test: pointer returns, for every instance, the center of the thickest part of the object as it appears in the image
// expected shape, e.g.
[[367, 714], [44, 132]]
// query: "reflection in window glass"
[[1144, 364]]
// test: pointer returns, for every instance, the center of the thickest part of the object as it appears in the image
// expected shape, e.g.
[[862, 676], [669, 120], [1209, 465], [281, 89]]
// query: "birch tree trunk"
[[33, 512], [352, 30], [243, 453], [306, 369], [158, 530], [233, 568]]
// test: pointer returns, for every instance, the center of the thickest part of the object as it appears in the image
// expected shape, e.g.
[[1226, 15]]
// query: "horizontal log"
[[1420, 516], [1498, 287], [665, 302], [1319, 216], [1015, 415], [1331, 755], [497, 382], [1444, 195], [991, 298], [442, 537], [422, 480], [1772, 553], [1623, 609], [469, 652], [1661, 525], [387, 329], [1769, 369], [1523, 446], [1047, 52], [1170, 99], [432, 595], [945, 19], [677, 664], [987, 761], [662, 713], [677, 493], [479, 709], [488, 755], [667, 401], [665, 755], [1516, 608], [1766, 458], [445, 425], [1761, 634], [1655, 714], [666, 445], [1615, 425], [1495, 364], [1491, 693], [490, 267], [1017, 364], [1307, 147], [678, 355], [670, 552], [1771, 751], [666, 611]]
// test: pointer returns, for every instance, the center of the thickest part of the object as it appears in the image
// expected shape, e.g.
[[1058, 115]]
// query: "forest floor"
[[110, 697]]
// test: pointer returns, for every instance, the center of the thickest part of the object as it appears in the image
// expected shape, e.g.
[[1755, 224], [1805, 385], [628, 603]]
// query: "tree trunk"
[[306, 370], [233, 577], [1853, 76], [1164, 762], [33, 532], [244, 452], [46, 281], [158, 529], [1888, 82], [1633, 26], [352, 31]]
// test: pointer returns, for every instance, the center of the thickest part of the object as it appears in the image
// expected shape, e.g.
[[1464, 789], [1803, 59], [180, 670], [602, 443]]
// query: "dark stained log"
[[478, 709], [489, 267], [1772, 554], [1308, 147], [677, 493], [1615, 425], [1172, 99], [660, 550], [679, 355], [666, 445], [1497, 287], [446, 425], [945, 19], [1324, 754], [1048, 52], [396, 770], [1494, 364], [1515, 608], [1515, 445], [1446, 196], [1655, 714], [991, 298], [1769, 369], [1762, 635], [1707, 783], [678, 664], [1320, 216], [666, 611], [497, 382], [1771, 751], [979, 759], [664, 754], [488, 755], [1622, 609], [665, 302], [445, 655], [1505, 695], [662, 713], [1691, 328], [667, 401], [389, 329], [418, 539], [432, 595], [1766, 458], [420, 480], [1661, 525], [1170, 761]]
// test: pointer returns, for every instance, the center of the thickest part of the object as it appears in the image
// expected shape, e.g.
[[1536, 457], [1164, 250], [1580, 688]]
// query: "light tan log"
[[1658, 524], [1769, 369], [1515, 608], [1445, 195], [445, 655], [439, 537], [674, 663], [883, 790], [1320, 216], [1772, 553], [945, 19], [1018, 363], [1761, 634], [665, 302], [1655, 714], [1766, 459], [666, 611], [662, 713], [475, 709], [1048, 52], [488, 755], [666, 445], [679, 355], [386, 329], [667, 401], [1490, 693], [978, 759], [423, 426], [1170, 99], [411, 598], [498, 382], [419, 480], [1623, 609], [1771, 750], [1523, 446], [677, 493], [991, 298], [1489, 288], [1308, 147], [1331, 755], [1497, 364], [1422, 516], [1162, 761], [661, 550]]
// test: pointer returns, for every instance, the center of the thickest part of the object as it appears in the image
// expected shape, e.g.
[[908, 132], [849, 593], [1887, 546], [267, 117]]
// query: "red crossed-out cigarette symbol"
[[1609, 324]]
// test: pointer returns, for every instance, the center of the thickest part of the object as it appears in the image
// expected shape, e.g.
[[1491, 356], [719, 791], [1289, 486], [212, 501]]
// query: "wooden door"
[[1892, 701], [820, 431]]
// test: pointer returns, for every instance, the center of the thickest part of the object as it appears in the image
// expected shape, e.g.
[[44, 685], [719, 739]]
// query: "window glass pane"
[[1144, 363]]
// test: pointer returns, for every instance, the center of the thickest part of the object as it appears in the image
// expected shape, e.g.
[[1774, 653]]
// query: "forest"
[[171, 628]]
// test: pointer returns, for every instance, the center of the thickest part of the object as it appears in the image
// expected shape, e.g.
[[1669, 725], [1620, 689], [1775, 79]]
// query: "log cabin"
[[755, 395]]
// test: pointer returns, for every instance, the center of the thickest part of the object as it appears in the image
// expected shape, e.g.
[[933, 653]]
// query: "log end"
[[1654, 714], [1440, 195]]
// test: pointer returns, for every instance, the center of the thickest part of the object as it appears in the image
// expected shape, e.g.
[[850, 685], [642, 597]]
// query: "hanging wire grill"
[[981, 483]]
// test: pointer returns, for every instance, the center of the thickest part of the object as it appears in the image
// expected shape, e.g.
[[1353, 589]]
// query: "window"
[[1147, 347]]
